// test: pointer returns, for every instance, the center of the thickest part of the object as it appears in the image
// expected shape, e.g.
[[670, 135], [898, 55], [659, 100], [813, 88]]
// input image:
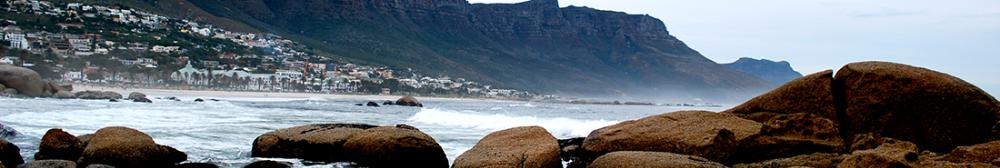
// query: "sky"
[[959, 37]]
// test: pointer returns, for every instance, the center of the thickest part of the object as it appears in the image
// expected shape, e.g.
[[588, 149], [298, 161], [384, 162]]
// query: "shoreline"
[[158, 92]]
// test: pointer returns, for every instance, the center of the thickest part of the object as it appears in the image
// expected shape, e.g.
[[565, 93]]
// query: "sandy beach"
[[245, 94]]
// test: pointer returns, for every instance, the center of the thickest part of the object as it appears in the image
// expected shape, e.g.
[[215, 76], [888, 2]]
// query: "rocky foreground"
[[870, 114]]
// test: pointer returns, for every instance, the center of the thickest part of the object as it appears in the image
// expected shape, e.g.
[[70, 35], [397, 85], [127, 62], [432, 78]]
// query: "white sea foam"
[[560, 127]]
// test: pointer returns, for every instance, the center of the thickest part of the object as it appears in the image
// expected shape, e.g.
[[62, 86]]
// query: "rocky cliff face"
[[533, 45], [775, 72]]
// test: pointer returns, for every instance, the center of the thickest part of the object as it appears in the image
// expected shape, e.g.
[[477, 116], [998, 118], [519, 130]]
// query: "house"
[[9, 60], [18, 40], [165, 49]]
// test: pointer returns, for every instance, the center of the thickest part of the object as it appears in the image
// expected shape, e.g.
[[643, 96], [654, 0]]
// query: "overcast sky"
[[960, 37]]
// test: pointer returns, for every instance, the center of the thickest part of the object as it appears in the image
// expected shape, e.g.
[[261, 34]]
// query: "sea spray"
[[560, 127]]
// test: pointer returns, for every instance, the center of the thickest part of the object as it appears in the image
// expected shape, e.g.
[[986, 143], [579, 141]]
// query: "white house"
[[18, 41]]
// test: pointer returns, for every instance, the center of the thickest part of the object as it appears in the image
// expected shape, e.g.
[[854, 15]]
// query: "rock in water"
[[142, 100], [199, 100], [136, 95], [268, 164], [63, 95], [7, 132], [367, 145], [371, 104], [934, 110], [49, 164], [684, 132], [26, 81], [409, 101], [622, 159], [58, 144], [196, 165], [515, 147], [126, 147], [94, 95], [399, 146], [10, 154]]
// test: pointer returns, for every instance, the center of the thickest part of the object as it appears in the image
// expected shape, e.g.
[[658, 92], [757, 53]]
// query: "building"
[[18, 40], [8, 60]]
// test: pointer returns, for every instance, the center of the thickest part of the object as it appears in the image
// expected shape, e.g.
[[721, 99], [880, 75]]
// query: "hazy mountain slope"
[[775, 72]]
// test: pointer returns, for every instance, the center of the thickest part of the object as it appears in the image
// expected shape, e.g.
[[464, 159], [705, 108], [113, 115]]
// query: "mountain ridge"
[[534, 45], [776, 72]]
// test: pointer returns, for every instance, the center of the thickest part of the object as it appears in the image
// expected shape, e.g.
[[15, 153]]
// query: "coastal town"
[[118, 46]]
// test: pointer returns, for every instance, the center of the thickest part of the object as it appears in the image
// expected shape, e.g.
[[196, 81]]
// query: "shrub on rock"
[[515, 147]]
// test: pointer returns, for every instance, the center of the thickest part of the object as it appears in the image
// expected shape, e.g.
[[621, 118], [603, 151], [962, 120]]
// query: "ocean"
[[222, 132]]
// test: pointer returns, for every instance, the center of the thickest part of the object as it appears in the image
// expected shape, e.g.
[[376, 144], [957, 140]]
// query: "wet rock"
[[934, 110], [142, 100], [49, 164], [515, 147], [684, 132], [10, 154], [317, 142], [387, 103], [126, 147], [7, 132], [24, 80], [395, 146], [113, 100], [196, 165], [136, 95], [409, 101], [94, 95], [199, 100], [371, 104], [815, 160], [58, 144], [569, 149], [268, 164], [652, 160], [63, 95]]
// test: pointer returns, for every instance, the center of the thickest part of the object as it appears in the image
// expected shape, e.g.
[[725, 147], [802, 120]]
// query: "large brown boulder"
[[399, 146], [652, 160], [980, 153], [126, 147], [409, 101], [317, 142], [892, 153], [934, 110], [803, 108], [58, 144], [24, 80], [367, 145], [515, 147], [10, 154], [700, 133]]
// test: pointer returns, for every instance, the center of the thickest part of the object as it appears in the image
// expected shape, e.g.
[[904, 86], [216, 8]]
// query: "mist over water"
[[222, 132]]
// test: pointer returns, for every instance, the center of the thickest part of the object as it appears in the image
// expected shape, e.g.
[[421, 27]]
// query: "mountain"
[[533, 45], [775, 72]]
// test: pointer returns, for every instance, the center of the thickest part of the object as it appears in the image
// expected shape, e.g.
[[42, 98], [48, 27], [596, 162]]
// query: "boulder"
[[398, 146], [7, 132], [569, 149], [142, 100], [49, 164], [371, 104], [803, 108], [387, 102], [92, 94], [136, 95], [10, 154], [199, 100], [815, 160], [934, 110], [26, 81], [891, 153], [652, 160], [409, 101], [126, 147], [980, 153], [317, 142], [62, 94], [684, 132], [515, 147], [58, 144], [268, 164]]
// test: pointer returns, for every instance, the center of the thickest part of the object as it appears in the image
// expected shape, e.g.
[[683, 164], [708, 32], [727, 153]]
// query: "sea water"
[[222, 132]]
